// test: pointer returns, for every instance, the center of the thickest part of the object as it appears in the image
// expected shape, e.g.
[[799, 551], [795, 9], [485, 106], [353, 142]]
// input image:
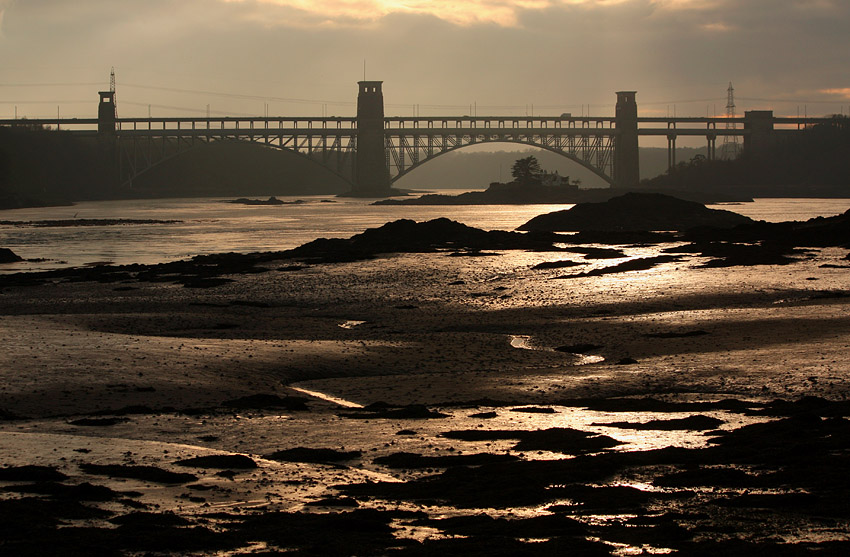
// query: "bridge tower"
[[371, 175], [106, 114], [626, 163]]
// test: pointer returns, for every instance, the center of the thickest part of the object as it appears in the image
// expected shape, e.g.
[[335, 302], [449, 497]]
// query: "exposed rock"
[[307, 454], [637, 264], [145, 473], [407, 236], [691, 423], [82, 492], [727, 254], [228, 461], [5, 415], [31, 473], [635, 212], [97, 422], [334, 502], [534, 410], [265, 401], [557, 439], [8, 256], [270, 201], [674, 334], [556, 264], [410, 412], [527, 194], [158, 520], [414, 460], [582, 348]]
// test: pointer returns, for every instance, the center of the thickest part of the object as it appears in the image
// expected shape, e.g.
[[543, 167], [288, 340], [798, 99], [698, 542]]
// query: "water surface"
[[210, 225]]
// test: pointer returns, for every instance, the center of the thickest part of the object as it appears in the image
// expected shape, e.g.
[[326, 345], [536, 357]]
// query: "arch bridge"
[[372, 151]]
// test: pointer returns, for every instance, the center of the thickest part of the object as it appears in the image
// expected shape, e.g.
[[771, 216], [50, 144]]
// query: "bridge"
[[371, 151]]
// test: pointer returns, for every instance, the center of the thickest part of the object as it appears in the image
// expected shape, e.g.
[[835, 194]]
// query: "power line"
[[687, 101], [187, 109], [236, 95], [48, 102], [799, 101], [93, 84]]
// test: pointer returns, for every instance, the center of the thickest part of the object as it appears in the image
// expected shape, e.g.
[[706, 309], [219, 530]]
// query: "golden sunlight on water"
[[210, 225]]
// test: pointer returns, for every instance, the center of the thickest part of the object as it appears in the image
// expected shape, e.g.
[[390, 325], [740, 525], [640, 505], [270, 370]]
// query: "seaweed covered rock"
[[635, 212]]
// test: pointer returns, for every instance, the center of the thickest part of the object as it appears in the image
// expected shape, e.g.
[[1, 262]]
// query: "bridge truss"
[[332, 142], [141, 144], [411, 142]]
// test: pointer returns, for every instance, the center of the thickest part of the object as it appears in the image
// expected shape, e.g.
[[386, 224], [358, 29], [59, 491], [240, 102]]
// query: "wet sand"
[[140, 373]]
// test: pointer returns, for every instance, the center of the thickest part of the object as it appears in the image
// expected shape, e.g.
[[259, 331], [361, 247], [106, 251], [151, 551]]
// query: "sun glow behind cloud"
[[841, 92], [503, 13]]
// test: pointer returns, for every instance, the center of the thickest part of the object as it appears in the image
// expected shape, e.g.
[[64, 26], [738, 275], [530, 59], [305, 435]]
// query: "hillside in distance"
[[476, 169], [808, 163], [39, 167]]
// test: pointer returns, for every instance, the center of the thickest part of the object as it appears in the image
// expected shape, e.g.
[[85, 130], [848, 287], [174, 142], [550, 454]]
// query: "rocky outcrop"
[[407, 236], [635, 212], [8, 256]]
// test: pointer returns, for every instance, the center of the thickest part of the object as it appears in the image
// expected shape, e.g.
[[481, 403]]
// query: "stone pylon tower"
[[626, 163], [106, 113], [371, 175]]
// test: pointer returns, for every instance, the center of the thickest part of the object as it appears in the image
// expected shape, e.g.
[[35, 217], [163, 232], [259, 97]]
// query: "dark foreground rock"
[[407, 236], [777, 487], [267, 401], [224, 462], [144, 473], [313, 455], [8, 256], [31, 473], [635, 212]]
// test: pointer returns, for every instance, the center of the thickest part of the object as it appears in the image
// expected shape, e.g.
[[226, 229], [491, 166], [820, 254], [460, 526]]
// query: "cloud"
[[504, 13], [843, 92], [503, 55]]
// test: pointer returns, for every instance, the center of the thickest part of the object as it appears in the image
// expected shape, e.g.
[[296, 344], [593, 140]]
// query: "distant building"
[[553, 179]]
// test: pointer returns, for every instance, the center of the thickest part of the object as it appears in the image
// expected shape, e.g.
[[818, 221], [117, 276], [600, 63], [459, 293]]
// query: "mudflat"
[[416, 403]]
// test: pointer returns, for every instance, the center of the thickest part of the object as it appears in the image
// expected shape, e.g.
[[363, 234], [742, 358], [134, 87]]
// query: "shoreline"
[[131, 376]]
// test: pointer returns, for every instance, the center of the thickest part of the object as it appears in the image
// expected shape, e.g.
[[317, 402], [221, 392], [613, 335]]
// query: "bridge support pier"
[[671, 151], [626, 162], [759, 123], [371, 174]]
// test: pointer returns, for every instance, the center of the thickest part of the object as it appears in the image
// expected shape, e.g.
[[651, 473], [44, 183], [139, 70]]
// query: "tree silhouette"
[[526, 170]]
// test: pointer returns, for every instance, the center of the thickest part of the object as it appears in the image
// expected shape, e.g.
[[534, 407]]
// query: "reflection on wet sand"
[[712, 419]]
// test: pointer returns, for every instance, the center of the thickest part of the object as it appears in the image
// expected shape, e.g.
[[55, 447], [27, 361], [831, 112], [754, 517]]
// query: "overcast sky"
[[302, 57]]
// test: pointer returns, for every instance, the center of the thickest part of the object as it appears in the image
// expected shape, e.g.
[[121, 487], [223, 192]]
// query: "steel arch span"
[[599, 155], [589, 141]]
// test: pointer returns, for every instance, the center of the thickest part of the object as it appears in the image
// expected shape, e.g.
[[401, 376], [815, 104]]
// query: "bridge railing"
[[496, 122], [236, 123], [334, 126]]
